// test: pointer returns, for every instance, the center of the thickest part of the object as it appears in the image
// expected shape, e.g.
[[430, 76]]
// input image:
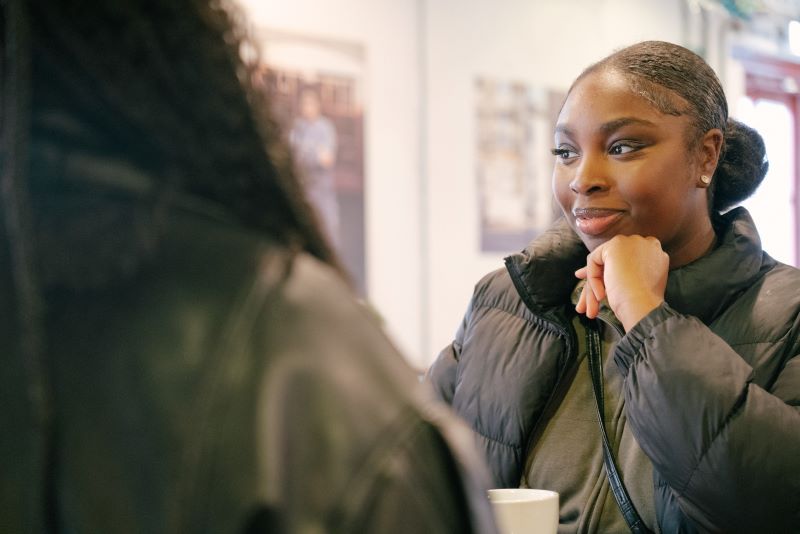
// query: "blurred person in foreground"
[[180, 352], [641, 357]]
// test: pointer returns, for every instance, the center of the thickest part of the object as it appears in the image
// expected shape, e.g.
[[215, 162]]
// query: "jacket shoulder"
[[767, 310], [352, 412], [496, 290]]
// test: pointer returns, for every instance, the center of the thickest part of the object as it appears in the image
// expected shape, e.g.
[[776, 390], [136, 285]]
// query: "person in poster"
[[313, 140]]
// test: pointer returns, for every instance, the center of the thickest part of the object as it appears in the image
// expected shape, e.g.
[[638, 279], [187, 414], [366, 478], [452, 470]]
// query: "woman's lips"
[[595, 221]]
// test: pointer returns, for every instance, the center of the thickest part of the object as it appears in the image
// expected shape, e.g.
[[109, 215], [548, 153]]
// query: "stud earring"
[[705, 179]]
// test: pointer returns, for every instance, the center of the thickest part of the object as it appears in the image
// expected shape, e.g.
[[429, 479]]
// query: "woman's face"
[[623, 167]]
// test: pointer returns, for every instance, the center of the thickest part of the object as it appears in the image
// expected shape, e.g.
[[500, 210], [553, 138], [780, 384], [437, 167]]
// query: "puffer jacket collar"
[[706, 286], [542, 272]]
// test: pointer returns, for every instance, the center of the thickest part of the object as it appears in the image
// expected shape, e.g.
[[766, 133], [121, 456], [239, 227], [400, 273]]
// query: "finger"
[[581, 273], [594, 265], [594, 277], [598, 287], [591, 301], [591, 305], [580, 307], [592, 271]]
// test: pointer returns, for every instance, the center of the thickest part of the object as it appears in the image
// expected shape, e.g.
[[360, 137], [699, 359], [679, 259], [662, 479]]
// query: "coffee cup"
[[525, 511]]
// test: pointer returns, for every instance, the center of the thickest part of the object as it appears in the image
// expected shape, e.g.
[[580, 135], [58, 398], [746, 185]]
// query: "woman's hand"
[[631, 271]]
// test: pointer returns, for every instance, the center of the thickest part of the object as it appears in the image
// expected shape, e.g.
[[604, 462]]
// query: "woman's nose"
[[590, 177]]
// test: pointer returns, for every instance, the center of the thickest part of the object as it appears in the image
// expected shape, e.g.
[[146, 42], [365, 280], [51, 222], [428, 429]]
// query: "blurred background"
[[423, 127]]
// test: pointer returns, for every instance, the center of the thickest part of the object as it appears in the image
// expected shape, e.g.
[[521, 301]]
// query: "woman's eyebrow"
[[608, 127], [563, 129], [616, 124]]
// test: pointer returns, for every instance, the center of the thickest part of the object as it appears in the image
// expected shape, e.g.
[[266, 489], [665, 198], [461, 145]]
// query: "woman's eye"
[[621, 148], [564, 153]]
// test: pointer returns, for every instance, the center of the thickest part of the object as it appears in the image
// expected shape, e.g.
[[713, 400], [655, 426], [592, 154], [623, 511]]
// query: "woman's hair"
[[657, 71], [163, 86], [160, 89]]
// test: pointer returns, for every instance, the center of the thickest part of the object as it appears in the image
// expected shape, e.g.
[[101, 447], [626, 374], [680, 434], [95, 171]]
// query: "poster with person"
[[514, 125], [316, 87]]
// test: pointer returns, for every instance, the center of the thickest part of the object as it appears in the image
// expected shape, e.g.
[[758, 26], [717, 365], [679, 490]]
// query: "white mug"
[[525, 511]]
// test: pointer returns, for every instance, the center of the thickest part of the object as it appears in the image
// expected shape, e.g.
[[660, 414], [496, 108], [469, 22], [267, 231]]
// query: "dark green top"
[[568, 456]]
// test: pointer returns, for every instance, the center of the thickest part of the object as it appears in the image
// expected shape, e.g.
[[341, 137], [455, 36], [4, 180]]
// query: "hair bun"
[[742, 166]]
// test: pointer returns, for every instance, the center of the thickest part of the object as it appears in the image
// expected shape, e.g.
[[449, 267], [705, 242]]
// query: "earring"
[[705, 179]]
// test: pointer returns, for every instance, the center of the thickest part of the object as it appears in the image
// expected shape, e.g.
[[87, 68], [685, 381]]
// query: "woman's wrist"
[[634, 310]]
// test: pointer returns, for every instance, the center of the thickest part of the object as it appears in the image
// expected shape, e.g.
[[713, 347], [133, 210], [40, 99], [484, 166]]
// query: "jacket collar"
[[543, 272], [703, 288]]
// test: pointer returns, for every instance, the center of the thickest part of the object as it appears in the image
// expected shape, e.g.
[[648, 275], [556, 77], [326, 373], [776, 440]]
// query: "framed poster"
[[316, 89], [514, 135]]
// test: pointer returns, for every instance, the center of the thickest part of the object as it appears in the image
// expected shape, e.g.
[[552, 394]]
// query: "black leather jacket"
[[217, 382], [712, 377]]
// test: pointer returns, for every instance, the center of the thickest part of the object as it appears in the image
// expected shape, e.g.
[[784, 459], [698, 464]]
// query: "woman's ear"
[[709, 150]]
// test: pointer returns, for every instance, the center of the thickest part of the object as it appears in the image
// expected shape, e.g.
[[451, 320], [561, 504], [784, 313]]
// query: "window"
[[771, 107]]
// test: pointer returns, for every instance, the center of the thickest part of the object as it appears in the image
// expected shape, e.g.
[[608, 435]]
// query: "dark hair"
[[164, 87], [657, 70], [161, 88]]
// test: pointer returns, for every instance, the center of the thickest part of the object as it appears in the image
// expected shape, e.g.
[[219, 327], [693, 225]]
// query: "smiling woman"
[[641, 357], [629, 169]]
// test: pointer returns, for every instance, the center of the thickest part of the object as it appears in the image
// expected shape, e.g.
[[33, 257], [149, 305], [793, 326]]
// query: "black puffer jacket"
[[222, 383], [712, 377]]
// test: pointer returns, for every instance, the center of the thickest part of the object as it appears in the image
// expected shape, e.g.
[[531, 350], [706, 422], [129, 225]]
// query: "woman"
[[180, 352], [649, 304]]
